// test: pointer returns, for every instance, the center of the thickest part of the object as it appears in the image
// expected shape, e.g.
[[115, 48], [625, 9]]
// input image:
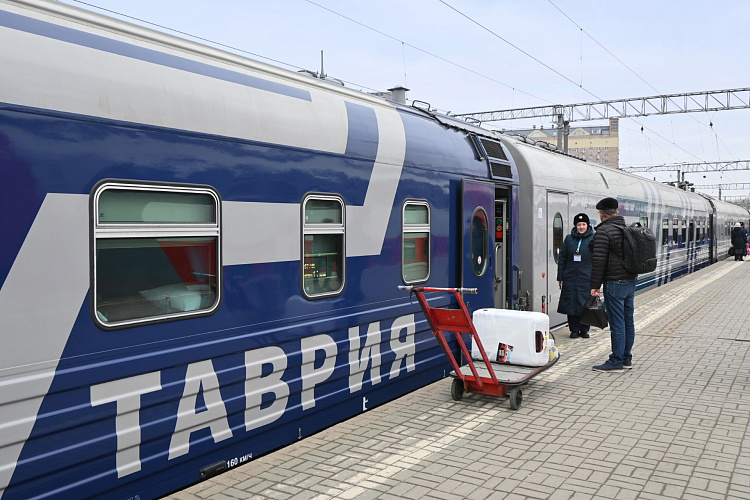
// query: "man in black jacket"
[[619, 285]]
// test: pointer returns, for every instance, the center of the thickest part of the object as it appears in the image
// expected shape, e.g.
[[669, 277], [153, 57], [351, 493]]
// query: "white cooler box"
[[514, 337]]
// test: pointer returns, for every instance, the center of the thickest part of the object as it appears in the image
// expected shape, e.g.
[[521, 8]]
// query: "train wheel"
[[516, 396], [457, 389]]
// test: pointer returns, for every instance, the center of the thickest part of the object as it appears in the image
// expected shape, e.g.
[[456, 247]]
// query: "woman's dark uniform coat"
[[574, 275], [738, 240]]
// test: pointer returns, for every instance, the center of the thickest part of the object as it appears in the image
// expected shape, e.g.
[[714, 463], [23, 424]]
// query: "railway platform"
[[675, 426]]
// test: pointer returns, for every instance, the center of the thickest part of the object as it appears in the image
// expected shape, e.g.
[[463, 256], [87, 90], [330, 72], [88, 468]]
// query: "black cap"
[[581, 218], [607, 204]]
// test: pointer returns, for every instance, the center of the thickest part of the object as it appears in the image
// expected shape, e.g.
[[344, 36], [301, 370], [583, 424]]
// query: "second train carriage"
[[692, 230], [201, 252]]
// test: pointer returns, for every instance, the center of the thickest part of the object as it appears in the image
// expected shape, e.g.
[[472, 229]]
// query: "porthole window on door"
[[479, 242], [557, 236]]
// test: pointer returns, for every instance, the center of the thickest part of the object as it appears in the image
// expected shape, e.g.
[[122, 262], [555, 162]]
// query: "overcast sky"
[[479, 55]]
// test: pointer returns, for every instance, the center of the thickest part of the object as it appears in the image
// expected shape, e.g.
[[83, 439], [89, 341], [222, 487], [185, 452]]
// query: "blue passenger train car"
[[201, 253]]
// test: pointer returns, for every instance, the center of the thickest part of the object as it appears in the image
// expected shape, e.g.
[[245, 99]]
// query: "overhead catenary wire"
[[404, 43], [196, 37], [603, 47], [557, 72], [212, 42], [615, 57], [518, 48], [715, 134], [425, 51]]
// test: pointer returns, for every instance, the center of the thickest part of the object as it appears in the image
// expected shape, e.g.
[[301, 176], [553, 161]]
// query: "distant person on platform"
[[574, 274], [619, 285], [745, 232], [739, 239]]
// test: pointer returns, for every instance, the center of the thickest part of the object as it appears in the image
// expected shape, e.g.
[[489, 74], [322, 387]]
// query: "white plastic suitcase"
[[514, 337]]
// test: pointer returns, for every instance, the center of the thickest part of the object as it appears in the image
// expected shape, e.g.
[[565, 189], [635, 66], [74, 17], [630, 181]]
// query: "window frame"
[[416, 228], [683, 230], [485, 244], [323, 229], [102, 230], [555, 230]]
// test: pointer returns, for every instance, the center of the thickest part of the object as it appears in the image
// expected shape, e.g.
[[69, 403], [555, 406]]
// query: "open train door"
[[558, 226], [477, 225]]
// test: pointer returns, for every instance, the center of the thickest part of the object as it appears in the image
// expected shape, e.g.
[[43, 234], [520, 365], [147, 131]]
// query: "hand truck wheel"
[[516, 396], [457, 389]]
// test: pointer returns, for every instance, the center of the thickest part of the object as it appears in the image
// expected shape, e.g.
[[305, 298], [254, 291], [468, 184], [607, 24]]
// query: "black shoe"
[[608, 366], [584, 335], [574, 335]]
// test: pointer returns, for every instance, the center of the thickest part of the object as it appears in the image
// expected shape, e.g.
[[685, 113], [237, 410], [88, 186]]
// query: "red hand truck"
[[492, 379]]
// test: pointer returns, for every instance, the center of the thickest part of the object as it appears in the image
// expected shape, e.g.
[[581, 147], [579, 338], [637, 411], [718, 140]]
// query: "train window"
[[691, 230], [665, 232], [675, 231], [557, 236], [683, 230], [480, 242], [703, 231], [643, 221], [415, 246], [156, 253], [323, 240]]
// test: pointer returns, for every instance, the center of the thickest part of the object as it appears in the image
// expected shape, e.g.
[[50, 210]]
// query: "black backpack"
[[639, 249]]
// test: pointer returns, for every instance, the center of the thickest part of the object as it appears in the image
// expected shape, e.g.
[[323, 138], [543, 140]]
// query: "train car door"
[[501, 284], [558, 226], [712, 249], [477, 209]]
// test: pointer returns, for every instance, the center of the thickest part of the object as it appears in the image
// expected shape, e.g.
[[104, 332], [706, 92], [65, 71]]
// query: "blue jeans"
[[618, 302]]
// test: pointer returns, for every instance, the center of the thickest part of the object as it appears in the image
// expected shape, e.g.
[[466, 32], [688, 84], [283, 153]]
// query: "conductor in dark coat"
[[574, 274], [739, 239]]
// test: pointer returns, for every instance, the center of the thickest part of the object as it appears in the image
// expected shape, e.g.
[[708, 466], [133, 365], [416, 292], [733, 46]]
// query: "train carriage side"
[[555, 187], [201, 254]]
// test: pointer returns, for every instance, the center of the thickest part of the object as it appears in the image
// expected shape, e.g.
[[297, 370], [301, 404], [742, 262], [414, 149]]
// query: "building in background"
[[600, 145]]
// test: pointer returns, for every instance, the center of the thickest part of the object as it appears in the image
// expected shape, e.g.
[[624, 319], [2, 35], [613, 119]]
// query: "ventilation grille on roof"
[[499, 164], [501, 170], [494, 149]]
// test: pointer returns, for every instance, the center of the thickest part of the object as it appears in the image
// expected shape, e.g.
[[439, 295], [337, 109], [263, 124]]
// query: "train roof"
[[564, 172], [115, 70]]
